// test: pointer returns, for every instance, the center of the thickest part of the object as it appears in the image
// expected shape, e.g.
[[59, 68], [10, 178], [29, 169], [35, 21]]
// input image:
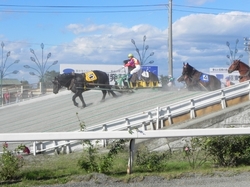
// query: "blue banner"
[[152, 69]]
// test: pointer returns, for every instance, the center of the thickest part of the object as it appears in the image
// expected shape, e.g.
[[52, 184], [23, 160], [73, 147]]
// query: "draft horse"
[[244, 70], [196, 80], [79, 83]]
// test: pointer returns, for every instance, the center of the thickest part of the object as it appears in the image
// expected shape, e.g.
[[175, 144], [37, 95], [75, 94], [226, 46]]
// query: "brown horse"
[[243, 69], [196, 80]]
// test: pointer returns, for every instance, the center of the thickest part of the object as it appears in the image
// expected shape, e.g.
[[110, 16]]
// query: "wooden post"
[[131, 155]]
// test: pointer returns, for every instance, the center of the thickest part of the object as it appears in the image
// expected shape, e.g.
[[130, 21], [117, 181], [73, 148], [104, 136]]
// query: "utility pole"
[[170, 46], [247, 48]]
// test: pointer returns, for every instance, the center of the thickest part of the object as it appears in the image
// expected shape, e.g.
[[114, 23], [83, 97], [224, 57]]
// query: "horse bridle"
[[57, 83], [187, 75], [236, 66]]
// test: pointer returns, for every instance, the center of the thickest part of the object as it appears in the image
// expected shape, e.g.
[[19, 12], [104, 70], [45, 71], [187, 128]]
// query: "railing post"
[[104, 141], [131, 155], [157, 118], [127, 124], [39, 146], [34, 148], [56, 148], [143, 126], [68, 147], [192, 107], [169, 116], [223, 100], [150, 119]]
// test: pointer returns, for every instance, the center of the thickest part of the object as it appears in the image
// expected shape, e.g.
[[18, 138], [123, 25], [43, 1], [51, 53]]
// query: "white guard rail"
[[157, 115]]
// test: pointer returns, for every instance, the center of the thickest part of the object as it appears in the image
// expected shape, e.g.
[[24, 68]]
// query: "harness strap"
[[71, 84]]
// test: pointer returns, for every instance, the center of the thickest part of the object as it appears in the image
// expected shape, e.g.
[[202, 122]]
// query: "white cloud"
[[199, 39]]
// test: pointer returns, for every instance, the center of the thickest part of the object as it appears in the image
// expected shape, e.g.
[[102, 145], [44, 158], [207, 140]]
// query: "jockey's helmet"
[[130, 55]]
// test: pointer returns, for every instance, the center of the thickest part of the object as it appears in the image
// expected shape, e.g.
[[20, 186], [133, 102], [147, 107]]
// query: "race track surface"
[[56, 113]]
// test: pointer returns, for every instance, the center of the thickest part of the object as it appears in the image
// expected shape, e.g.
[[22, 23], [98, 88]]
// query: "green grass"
[[60, 169]]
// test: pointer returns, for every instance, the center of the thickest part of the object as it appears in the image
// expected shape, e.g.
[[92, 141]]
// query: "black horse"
[[196, 80], [78, 83]]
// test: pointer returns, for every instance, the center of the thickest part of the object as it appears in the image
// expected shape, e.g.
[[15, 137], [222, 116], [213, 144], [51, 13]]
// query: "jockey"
[[171, 81], [134, 62]]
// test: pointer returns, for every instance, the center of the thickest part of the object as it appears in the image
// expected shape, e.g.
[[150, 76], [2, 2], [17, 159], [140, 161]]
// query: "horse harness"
[[192, 78]]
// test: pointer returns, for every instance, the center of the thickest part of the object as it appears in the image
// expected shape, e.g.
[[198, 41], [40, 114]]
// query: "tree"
[[49, 77]]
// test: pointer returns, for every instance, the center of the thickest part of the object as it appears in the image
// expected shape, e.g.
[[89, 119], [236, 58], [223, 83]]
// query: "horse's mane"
[[190, 69], [241, 62], [65, 78]]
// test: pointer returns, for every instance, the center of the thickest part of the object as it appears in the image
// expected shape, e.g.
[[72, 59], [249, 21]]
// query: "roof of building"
[[8, 82]]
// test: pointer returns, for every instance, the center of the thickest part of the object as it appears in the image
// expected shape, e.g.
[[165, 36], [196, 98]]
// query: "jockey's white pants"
[[136, 69]]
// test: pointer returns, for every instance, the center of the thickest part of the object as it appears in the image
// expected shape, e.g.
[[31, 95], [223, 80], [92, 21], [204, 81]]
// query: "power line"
[[80, 12], [78, 6], [208, 8], [134, 8]]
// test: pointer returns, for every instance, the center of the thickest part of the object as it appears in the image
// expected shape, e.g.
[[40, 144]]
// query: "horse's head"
[[186, 71], [234, 66], [56, 85]]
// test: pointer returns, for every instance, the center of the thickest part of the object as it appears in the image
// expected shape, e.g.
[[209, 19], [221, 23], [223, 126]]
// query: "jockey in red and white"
[[136, 63]]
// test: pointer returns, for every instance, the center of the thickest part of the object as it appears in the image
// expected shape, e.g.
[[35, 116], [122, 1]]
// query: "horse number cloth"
[[204, 77], [90, 76]]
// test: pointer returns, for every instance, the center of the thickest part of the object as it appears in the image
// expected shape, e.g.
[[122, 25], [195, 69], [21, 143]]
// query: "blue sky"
[[100, 32]]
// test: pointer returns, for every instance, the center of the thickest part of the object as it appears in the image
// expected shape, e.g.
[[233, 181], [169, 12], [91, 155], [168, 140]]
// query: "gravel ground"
[[220, 179]]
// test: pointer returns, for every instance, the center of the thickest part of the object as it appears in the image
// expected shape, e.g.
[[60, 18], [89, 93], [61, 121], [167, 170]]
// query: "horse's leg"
[[74, 100], [104, 93], [82, 100], [113, 93], [78, 94]]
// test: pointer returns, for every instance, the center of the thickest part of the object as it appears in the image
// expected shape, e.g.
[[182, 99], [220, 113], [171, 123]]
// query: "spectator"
[[30, 94], [18, 96], [171, 81], [228, 82], [7, 97]]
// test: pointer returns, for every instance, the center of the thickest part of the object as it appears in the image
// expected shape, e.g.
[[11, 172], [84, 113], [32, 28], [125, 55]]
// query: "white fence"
[[132, 135], [142, 121]]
